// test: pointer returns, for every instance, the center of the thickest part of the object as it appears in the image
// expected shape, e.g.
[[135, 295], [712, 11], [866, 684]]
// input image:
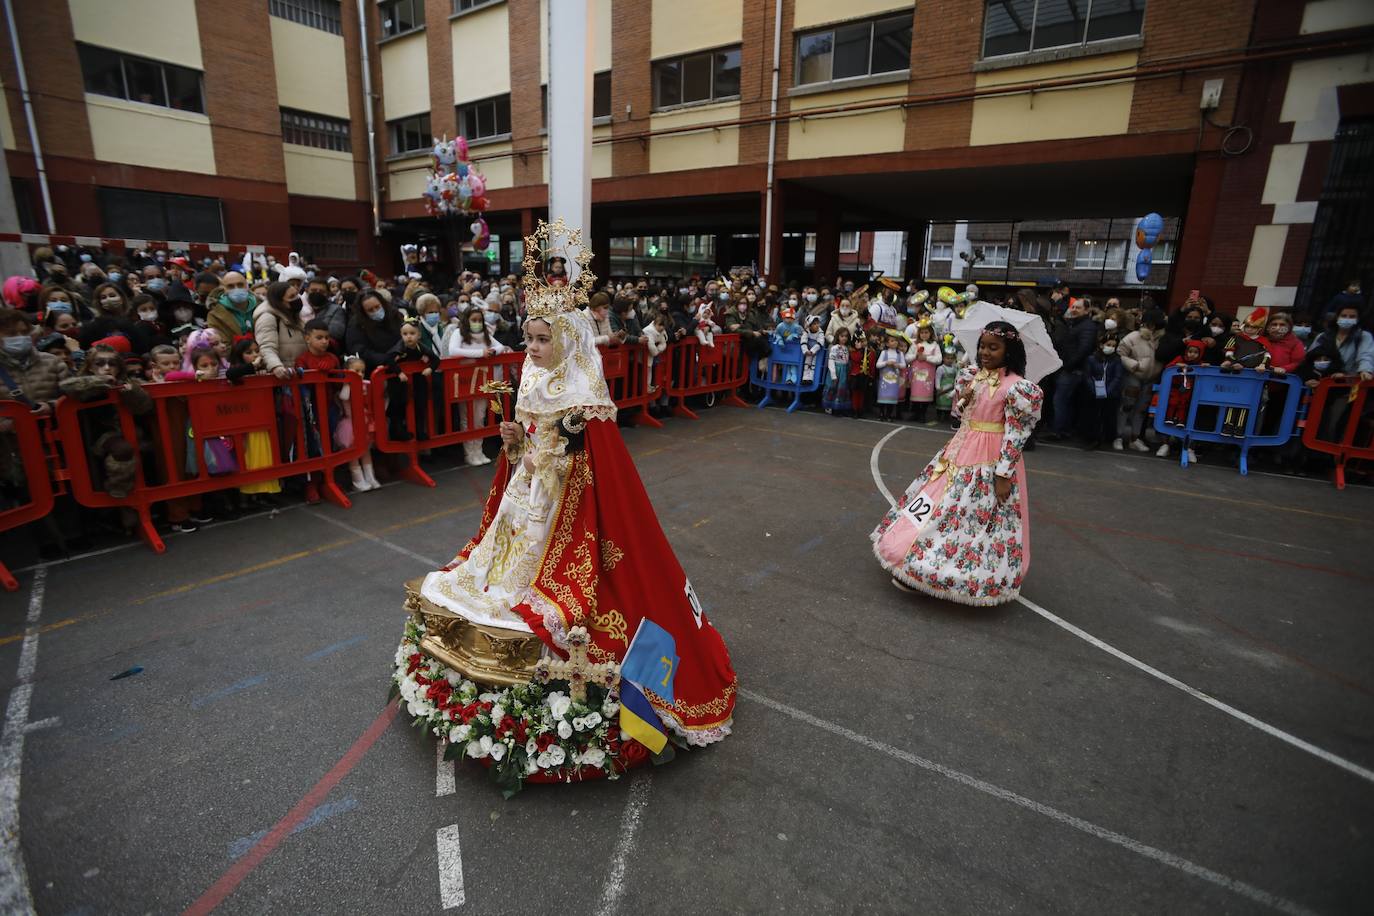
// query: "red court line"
[[1165, 539], [264, 847]]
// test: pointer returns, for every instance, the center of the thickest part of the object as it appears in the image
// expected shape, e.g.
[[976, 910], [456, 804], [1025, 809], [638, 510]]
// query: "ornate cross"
[[577, 669]]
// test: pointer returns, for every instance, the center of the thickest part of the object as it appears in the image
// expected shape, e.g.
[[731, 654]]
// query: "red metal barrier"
[[633, 379], [1343, 448], [698, 370], [463, 417], [28, 433], [211, 409]]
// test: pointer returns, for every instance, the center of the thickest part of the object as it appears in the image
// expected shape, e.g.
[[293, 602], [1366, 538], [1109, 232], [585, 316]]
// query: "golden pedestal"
[[492, 656]]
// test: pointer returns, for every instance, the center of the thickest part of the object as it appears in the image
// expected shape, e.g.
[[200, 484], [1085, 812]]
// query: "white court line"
[[1192, 869], [629, 826], [451, 892], [445, 774], [1193, 692], [873, 466], [369, 536], [14, 878], [1196, 694]]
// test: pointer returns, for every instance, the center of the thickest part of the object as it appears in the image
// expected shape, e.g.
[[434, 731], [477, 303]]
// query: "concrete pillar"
[[827, 240], [1195, 230], [571, 33], [770, 233]]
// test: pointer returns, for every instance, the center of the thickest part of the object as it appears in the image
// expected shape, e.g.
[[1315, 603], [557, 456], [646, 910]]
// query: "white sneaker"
[[1192, 457], [1138, 446], [1117, 445], [370, 478], [359, 481], [1163, 451]]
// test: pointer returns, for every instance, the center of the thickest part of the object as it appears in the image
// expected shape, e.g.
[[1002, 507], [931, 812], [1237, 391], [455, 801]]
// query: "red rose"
[[414, 663]]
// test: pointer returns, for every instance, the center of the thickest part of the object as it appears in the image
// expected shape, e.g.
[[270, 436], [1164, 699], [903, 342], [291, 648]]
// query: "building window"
[[137, 79], [705, 77], [941, 251], [995, 255], [1029, 252], [1163, 252], [1041, 251], [485, 119], [410, 135], [318, 14], [854, 49], [849, 242], [1018, 26], [462, 6], [1054, 251], [601, 99], [1095, 254], [401, 16], [305, 129], [320, 243], [165, 217]]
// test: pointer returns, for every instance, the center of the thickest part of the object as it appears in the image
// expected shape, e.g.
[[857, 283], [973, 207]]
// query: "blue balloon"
[[1152, 225], [462, 170], [1143, 262]]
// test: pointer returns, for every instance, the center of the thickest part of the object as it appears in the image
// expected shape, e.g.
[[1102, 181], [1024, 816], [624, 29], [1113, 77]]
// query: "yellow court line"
[[720, 432], [700, 522], [47, 629]]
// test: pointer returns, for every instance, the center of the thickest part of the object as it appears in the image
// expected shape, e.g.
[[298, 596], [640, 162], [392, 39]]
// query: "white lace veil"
[[575, 381]]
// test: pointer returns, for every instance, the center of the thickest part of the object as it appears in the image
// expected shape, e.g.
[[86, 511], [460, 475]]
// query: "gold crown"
[[542, 298]]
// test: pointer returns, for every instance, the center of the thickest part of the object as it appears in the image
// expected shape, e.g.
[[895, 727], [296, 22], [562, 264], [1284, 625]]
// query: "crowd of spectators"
[[88, 322]]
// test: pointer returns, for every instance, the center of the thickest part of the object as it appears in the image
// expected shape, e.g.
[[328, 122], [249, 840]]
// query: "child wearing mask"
[[945, 377], [1102, 377], [813, 342], [474, 341], [925, 359], [1180, 393], [891, 367]]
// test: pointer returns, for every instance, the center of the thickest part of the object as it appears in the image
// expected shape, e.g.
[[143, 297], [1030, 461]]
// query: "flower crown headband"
[[1011, 334]]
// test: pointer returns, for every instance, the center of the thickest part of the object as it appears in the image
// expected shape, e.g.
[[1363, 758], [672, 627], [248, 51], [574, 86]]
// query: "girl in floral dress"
[[961, 531]]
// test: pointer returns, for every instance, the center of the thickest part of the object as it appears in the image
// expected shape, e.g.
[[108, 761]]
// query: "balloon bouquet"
[[1147, 233], [457, 188]]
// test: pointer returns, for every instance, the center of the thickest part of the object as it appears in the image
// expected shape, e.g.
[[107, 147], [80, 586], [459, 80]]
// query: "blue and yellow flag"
[[638, 719], [651, 661]]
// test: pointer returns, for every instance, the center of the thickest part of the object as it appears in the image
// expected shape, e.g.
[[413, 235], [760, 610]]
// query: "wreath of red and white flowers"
[[526, 733]]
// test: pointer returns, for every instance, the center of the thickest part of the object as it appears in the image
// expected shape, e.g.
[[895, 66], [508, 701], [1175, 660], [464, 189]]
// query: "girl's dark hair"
[[843, 330], [236, 353], [1015, 359], [198, 352]]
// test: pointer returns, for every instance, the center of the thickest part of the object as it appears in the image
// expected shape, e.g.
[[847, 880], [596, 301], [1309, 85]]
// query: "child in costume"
[[944, 386], [961, 530], [835, 400], [706, 329], [1180, 394], [787, 331], [398, 390], [813, 342], [891, 366], [925, 359], [863, 356], [1247, 349], [360, 468]]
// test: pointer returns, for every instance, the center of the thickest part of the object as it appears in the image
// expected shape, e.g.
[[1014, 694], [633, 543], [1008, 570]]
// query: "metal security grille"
[[318, 14], [1342, 245], [306, 129]]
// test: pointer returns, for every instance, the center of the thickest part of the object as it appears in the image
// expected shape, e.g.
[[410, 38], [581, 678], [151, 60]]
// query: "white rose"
[[459, 734], [609, 708], [498, 750], [593, 719], [531, 748], [565, 729], [453, 678], [579, 723], [557, 755], [402, 654], [542, 761], [593, 757], [558, 704], [475, 749], [497, 714], [490, 697], [416, 708]]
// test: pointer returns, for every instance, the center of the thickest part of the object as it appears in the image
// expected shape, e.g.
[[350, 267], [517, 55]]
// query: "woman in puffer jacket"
[[1137, 353]]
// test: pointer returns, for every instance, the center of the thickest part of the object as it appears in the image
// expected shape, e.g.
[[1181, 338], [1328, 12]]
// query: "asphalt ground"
[[891, 753]]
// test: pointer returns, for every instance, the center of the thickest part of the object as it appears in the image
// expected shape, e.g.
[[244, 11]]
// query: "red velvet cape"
[[608, 565]]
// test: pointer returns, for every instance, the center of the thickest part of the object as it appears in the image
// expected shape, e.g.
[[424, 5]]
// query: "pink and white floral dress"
[[948, 535]]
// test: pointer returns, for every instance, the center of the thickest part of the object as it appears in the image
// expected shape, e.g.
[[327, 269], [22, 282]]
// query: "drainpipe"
[[367, 111], [772, 141], [28, 116]]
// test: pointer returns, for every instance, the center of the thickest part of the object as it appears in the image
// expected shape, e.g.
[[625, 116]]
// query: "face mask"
[[238, 296], [350, 296], [1109, 324], [1278, 333], [1217, 332], [85, 259], [1302, 332], [1108, 351], [630, 314], [149, 316], [432, 319], [1321, 365], [791, 303], [182, 316], [157, 284], [56, 306], [318, 300], [476, 326], [682, 290], [811, 297], [1345, 324], [116, 276], [724, 297], [377, 315], [19, 346]]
